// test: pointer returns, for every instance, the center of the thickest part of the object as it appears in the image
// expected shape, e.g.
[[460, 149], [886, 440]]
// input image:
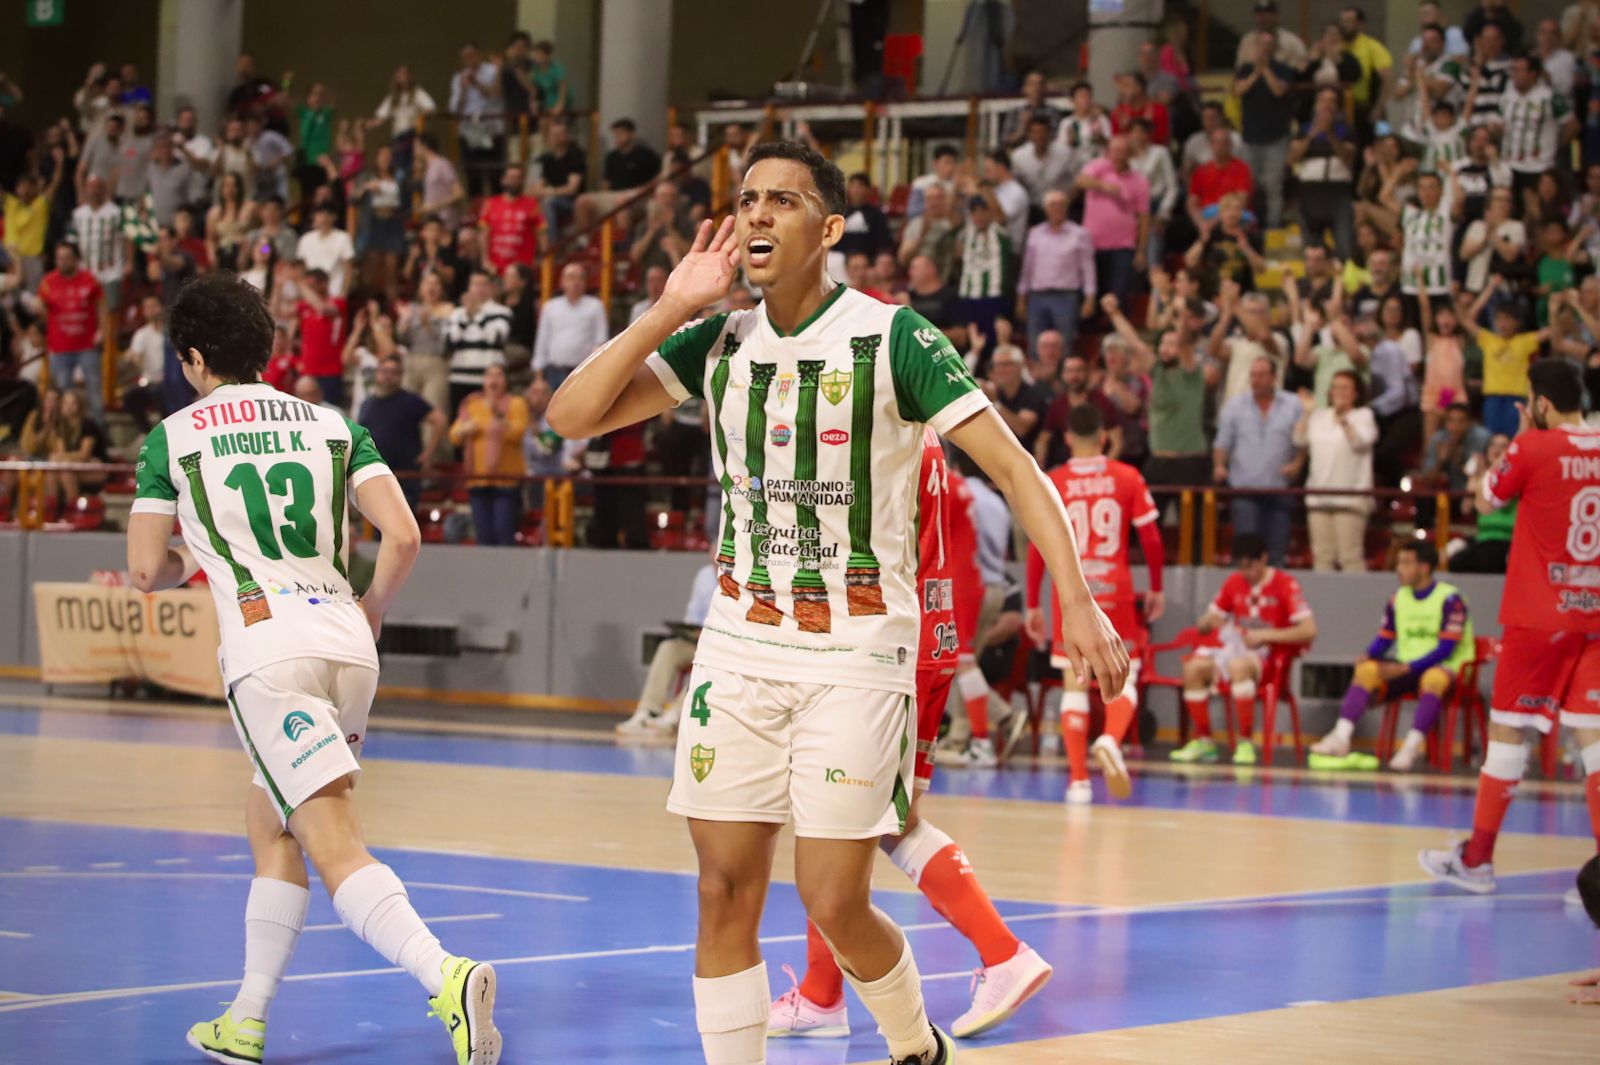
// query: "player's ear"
[[832, 230]]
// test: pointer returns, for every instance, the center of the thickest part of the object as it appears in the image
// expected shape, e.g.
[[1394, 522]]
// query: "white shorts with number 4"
[[302, 722], [837, 761]]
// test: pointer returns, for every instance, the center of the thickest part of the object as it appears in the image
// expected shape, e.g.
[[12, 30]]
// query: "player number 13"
[[299, 531]]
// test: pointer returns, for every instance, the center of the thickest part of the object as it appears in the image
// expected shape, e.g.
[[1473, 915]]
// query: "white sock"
[[895, 1002], [917, 848], [1415, 740], [1344, 728], [372, 903], [732, 1013], [274, 914]]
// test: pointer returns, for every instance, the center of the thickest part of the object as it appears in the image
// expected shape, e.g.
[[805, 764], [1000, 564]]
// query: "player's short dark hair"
[[1589, 888], [1423, 551], [945, 151], [827, 176], [223, 317], [1559, 382], [1084, 421], [1248, 547]]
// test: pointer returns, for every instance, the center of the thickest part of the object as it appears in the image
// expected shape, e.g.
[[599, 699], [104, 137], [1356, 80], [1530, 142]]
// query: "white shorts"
[[302, 721], [1224, 657], [838, 761]]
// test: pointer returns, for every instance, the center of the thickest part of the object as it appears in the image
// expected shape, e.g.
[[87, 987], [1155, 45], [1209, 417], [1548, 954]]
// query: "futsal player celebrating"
[[1012, 972], [1425, 640], [800, 701], [1257, 607], [1103, 497], [258, 482], [1549, 615]]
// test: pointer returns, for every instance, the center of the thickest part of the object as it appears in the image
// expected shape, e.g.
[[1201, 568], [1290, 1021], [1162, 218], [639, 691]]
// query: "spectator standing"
[[563, 172], [1429, 13], [1226, 250], [102, 156], [229, 222], [1560, 65], [475, 336], [270, 155], [1494, 13], [72, 298], [866, 228], [1197, 148], [1477, 174], [328, 249], [929, 295], [933, 233], [1444, 366], [405, 428], [1133, 102], [943, 173], [441, 185], [489, 429], [1324, 157], [518, 296], [1050, 446], [420, 328], [1042, 163], [1223, 175], [1287, 48], [322, 318], [629, 165], [1507, 351], [1339, 438], [1537, 125], [1019, 402], [405, 107], [1254, 340], [1155, 163], [475, 97], [1034, 106], [665, 231], [571, 326], [618, 519], [1116, 212], [1483, 78], [167, 180], [1425, 253], [655, 283], [27, 221], [516, 79], [1267, 110], [1330, 64], [1430, 77], [1395, 401], [1009, 193], [1058, 273], [431, 253], [511, 223], [1255, 448], [986, 285], [381, 231], [1127, 388], [1085, 131], [1368, 96], [104, 248], [1451, 450], [549, 77], [1487, 551], [314, 129], [147, 358]]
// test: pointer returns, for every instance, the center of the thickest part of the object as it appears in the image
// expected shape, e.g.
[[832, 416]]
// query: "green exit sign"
[[46, 12]]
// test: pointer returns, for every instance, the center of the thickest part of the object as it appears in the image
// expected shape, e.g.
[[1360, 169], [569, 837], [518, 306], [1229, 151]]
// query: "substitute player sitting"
[[1258, 607], [259, 483], [801, 695], [1549, 666], [1103, 498], [1425, 639], [1011, 972]]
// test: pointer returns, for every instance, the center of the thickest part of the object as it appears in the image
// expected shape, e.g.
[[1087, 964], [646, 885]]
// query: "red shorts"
[[1124, 618], [1542, 676], [933, 694], [969, 605]]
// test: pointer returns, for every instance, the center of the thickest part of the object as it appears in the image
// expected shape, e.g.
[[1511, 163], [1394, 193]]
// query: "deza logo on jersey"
[[834, 437]]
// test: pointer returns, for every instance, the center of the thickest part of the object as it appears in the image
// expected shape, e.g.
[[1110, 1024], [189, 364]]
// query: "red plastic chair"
[[1465, 703], [900, 54], [899, 200], [1275, 685]]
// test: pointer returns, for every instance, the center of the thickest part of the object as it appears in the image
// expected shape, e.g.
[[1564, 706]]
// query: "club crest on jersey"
[[835, 385], [785, 386], [701, 759], [781, 435], [834, 437]]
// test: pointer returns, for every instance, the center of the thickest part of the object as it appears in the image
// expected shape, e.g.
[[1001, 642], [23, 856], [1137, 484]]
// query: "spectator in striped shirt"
[[1537, 125], [1426, 228], [105, 249], [985, 283], [475, 337], [1484, 76]]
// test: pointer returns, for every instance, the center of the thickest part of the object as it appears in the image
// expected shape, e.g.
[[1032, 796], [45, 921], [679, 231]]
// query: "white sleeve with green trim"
[[680, 363], [931, 380], [154, 492]]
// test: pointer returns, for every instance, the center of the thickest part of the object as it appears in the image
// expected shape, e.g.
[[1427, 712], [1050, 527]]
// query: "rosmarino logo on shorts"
[[837, 776], [295, 723]]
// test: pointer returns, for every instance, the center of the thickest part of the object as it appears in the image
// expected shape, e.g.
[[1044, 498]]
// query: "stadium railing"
[[1199, 535]]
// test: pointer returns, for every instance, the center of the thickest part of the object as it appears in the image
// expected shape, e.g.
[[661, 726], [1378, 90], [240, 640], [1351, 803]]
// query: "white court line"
[[170, 861], [41, 868], [50, 873], [1268, 901], [107, 865], [447, 919], [16, 935]]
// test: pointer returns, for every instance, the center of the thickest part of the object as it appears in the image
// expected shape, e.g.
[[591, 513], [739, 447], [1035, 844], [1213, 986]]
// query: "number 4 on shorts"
[[697, 705]]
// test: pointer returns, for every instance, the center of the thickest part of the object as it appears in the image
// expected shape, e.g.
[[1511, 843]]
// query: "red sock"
[[1119, 715], [1199, 709], [1494, 799], [1591, 792], [1075, 735], [950, 884], [975, 696], [978, 715], [1244, 704], [823, 983]]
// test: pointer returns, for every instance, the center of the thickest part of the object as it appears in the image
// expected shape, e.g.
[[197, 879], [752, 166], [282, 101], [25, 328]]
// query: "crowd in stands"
[[1334, 277]]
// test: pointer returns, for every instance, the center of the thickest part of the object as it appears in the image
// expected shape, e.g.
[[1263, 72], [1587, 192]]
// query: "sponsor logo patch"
[[295, 723], [781, 435], [834, 437]]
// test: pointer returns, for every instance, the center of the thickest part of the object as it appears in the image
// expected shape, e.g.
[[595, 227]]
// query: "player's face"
[[783, 229], [1254, 570], [1407, 569]]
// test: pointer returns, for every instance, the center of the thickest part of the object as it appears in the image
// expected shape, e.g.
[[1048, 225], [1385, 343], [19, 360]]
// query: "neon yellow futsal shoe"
[[225, 1039], [466, 1006], [1245, 753], [1199, 749]]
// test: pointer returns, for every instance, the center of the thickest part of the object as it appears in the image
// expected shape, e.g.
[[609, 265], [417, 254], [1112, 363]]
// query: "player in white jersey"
[[800, 703], [259, 483]]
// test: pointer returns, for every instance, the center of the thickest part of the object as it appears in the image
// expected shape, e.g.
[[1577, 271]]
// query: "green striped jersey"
[[259, 482], [1426, 247], [985, 260], [1442, 147], [817, 442], [1530, 136]]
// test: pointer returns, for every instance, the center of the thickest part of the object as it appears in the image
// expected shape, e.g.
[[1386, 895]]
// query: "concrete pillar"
[[634, 53], [1116, 30], [199, 42]]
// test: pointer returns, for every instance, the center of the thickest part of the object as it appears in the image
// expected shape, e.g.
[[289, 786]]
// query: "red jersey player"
[[962, 511], [1012, 971], [1103, 498], [1550, 644], [1257, 607]]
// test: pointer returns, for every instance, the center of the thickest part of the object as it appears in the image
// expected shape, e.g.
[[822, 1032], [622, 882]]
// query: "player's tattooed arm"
[[154, 563]]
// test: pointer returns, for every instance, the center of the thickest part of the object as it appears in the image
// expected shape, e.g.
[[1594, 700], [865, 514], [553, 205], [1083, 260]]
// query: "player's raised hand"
[[1093, 647], [705, 274]]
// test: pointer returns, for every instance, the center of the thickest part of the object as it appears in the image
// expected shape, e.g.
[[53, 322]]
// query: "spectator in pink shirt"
[[1058, 273], [1116, 212]]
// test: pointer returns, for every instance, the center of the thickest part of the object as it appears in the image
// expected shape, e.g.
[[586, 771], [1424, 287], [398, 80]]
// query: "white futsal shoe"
[[999, 990], [1108, 753], [1447, 865], [794, 1015], [1333, 745], [1080, 793]]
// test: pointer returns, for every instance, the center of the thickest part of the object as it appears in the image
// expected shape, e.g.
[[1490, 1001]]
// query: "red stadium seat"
[[1465, 696], [1276, 684], [899, 199]]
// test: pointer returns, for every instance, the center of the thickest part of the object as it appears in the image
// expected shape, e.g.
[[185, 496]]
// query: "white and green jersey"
[[1418, 120], [1426, 247], [1442, 147], [985, 262], [1531, 135], [259, 481], [817, 441]]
